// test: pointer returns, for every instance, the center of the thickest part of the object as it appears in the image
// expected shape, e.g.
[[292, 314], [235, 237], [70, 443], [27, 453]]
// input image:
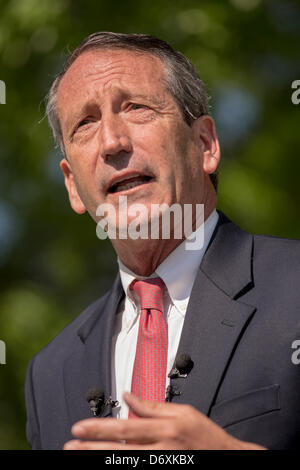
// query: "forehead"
[[106, 69]]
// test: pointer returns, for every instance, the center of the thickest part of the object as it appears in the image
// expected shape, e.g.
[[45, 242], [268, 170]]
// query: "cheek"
[[85, 181], [84, 160], [158, 146], [85, 148]]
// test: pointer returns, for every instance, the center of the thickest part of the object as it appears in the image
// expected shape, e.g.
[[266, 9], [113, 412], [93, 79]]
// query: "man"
[[132, 119]]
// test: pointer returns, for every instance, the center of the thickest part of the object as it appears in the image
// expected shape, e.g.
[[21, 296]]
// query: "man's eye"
[[137, 106], [84, 122]]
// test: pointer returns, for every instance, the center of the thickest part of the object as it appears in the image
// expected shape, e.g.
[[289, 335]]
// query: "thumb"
[[150, 409]]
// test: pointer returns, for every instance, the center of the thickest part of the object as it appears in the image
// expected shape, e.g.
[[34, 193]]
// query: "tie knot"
[[150, 292]]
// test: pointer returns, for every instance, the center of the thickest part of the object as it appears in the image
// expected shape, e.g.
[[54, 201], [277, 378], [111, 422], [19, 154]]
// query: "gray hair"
[[182, 80]]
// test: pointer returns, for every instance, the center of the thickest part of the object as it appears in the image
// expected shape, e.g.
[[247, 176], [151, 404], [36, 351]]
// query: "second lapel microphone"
[[182, 366], [96, 399], [171, 392]]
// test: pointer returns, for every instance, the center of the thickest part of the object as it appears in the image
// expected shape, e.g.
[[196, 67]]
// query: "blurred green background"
[[52, 264]]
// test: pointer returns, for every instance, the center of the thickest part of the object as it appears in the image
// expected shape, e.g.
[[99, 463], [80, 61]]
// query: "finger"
[[106, 445], [151, 409], [111, 429]]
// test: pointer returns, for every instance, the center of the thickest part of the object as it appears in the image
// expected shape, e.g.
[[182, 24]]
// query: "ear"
[[207, 137], [75, 200]]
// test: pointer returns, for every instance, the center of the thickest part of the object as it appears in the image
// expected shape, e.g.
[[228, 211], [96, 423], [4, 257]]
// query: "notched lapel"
[[213, 326], [90, 365], [215, 320]]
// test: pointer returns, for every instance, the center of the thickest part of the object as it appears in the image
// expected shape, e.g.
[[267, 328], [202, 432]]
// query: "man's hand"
[[160, 426]]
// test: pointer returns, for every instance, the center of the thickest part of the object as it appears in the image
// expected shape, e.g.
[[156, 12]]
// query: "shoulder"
[[276, 270], [266, 260], [277, 252], [264, 246], [275, 243]]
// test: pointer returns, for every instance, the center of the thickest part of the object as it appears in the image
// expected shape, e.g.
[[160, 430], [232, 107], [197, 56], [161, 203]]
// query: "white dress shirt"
[[178, 271]]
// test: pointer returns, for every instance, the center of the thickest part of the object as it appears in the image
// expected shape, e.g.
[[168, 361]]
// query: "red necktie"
[[150, 365]]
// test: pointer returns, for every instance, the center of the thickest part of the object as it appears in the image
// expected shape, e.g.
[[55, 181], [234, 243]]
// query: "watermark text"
[[2, 352], [296, 94], [154, 221], [2, 92], [296, 354]]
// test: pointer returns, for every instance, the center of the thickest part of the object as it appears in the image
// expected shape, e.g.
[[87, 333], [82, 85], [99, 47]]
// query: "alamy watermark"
[[2, 343], [159, 221], [2, 352], [2, 92], [296, 94], [296, 354]]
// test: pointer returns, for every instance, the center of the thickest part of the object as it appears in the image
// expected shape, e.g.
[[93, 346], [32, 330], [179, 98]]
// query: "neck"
[[143, 256]]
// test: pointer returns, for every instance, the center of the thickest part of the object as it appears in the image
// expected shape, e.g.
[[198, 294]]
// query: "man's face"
[[124, 134]]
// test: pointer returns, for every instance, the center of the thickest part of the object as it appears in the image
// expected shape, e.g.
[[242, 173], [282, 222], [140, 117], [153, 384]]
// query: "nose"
[[114, 136]]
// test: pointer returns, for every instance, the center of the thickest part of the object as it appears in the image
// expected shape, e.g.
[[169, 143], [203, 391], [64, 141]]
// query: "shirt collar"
[[179, 287]]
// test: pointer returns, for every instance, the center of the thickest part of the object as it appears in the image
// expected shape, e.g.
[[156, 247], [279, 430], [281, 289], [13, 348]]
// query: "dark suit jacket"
[[242, 318]]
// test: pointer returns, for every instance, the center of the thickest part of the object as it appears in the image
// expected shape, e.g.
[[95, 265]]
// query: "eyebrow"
[[86, 108], [77, 115], [154, 99]]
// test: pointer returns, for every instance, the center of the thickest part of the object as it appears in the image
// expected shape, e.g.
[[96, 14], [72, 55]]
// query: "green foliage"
[[52, 264]]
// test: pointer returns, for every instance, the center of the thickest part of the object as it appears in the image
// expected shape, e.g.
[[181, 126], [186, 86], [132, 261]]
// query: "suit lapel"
[[90, 365], [215, 319]]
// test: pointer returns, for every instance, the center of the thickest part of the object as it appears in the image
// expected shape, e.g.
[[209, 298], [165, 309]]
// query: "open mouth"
[[129, 183]]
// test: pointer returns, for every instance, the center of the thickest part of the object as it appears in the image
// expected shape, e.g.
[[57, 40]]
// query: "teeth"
[[126, 186]]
